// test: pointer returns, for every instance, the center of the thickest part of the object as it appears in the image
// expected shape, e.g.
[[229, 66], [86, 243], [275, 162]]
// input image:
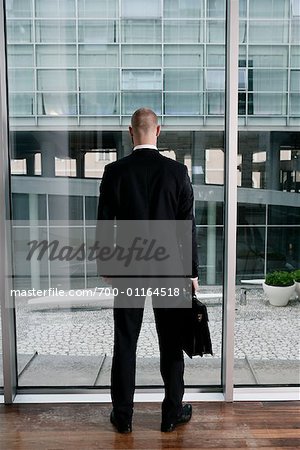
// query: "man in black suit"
[[146, 185]]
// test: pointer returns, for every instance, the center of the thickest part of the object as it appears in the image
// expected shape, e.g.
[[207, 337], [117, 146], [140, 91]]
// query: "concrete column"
[[34, 235], [273, 163], [30, 164], [80, 164], [211, 243], [124, 145], [247, 159], [48, 159], [198, 158]]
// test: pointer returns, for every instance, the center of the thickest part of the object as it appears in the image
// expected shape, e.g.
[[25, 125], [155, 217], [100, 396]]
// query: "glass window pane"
[[295, 8], [94, 31], [183, 104], [20, 55], [18, 8], [55, 8], [56, 80], [269, 8], [251, 214], [141, 8], [21, 105], [21, 80], [215, 103], [19, 31], [99, 55], [183, 31], [269, 80], [215, 55], [266, 32], [133, 100], [183, 8], [183, 80], [283, 215], [295, 80], [57, 104], [268, 55], [269, 104], [56, 55], [140, 31], [295, 31], [98, 9], [183, 55], [215, 79], [55, 31], [141, 80], [216, 8], [216, 31], [99, 80], [295, 56], [295, 104], [141, 55], [99, 104]]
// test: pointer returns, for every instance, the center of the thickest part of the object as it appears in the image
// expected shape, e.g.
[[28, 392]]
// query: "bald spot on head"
[[143, 121]]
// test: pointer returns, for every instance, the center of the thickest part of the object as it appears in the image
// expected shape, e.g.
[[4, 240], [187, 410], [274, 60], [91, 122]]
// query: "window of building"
[[142, 55], [269, 9], [21, 80], [99, 104], [97, 31], [183, 55], [183, 8], [141, 80], [141, 8], [56, 80], [133, 100], [99, 80], [48, 31], [65, 167], [184, 31], [98, 55], [98, 9], [56, 55], [18, 8], [19, 31], [57, 104], [183, 80], [183, 104], [55, 8], [141, 31]]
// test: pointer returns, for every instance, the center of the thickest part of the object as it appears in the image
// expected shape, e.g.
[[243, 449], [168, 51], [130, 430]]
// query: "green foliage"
[[296, 275], [280, 278]]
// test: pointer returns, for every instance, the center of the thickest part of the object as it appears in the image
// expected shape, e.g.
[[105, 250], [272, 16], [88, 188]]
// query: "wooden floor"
[[254, 425]]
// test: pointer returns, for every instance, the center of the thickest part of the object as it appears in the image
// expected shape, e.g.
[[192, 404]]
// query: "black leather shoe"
[[184, 418], [120, 426]]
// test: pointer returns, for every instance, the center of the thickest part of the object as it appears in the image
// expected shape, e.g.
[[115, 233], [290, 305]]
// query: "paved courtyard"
[[59, 344], [261, 330]]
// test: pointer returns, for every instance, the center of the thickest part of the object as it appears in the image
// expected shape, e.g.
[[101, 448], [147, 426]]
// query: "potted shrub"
[[279, 286], [296, 276]]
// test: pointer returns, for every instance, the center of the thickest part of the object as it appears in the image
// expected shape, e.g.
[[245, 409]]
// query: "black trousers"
[[127, 326]]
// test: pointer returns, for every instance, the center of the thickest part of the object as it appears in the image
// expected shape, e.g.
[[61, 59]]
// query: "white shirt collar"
[[145, 146]]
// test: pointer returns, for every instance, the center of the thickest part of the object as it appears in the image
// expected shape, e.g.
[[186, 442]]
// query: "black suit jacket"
[[146, 185]]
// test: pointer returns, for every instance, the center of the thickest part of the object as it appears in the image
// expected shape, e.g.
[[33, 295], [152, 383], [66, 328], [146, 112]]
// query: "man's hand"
[[195, 284], [107, 280]]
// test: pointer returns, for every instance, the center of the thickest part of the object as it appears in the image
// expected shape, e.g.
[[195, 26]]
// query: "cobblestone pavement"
[[262, 331]]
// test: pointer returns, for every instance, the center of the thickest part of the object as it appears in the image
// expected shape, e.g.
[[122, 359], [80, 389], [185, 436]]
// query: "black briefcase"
[[196, 336]]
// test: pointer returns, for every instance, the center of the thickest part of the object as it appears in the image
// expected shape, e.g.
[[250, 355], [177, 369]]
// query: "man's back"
[[144, 186]]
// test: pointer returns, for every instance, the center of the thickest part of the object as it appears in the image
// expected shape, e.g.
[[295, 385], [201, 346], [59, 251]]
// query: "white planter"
[[297, 288], [278, 295]]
